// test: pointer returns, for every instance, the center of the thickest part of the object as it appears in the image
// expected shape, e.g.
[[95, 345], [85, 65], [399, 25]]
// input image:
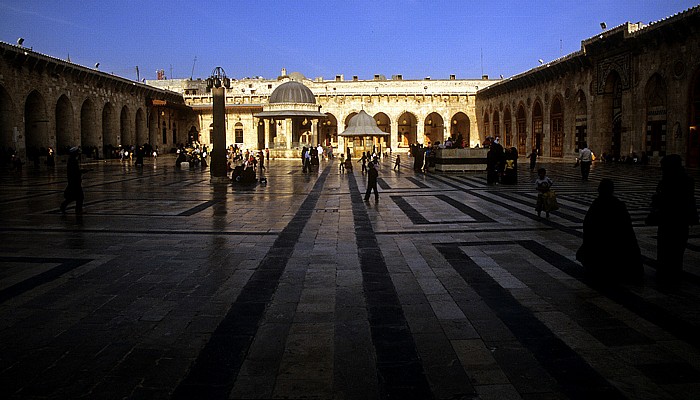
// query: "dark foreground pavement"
[[171, 287]]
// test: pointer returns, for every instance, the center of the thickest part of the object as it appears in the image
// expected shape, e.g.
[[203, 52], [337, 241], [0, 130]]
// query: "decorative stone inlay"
[[620, 64]]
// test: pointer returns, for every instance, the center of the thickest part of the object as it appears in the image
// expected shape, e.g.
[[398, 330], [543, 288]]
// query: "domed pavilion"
[[363, 134], [291, 118]]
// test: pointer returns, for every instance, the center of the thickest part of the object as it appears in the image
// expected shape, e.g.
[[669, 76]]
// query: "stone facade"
[[632, 89], [47, 102], [412, 111]]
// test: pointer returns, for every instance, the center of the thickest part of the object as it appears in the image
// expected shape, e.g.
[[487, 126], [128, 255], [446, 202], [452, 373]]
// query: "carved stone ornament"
[[619, 64]]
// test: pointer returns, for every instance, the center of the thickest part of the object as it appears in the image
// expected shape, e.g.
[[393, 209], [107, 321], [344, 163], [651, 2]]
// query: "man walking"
[[372, 175], [586, 159], [74, 191]]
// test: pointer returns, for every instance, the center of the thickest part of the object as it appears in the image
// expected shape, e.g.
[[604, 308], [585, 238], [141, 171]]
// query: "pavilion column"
[[314, 132], [266, 122], [288, 128]]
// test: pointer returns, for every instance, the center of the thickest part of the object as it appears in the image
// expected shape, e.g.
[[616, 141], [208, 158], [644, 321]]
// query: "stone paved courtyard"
[[171, 287]]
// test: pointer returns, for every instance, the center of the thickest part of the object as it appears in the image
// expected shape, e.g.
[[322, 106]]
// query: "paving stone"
[[170, 287]]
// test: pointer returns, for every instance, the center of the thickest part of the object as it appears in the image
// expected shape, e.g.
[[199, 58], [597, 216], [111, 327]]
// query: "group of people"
[[610, 252], [501, 164]]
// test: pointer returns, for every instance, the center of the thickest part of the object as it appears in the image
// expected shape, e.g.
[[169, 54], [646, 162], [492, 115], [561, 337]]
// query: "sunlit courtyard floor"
[[172, 287]]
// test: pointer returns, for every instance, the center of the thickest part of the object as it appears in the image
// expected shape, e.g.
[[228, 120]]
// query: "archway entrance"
[[329, 131], [521, 124], [434, 129], [507, 128], [36, 123], [109, 131], [693, 157], [408, 130], [537, 127], [460, 126], [655, 143], [557, 129], [7, 124], [384, 124], [581, 121]]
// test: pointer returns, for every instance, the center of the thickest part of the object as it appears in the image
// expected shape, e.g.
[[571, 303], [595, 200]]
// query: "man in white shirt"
[[586, 159]]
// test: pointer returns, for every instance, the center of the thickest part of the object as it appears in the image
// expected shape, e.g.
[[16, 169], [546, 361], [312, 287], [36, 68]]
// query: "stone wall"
[[47, 102], [628, 90]]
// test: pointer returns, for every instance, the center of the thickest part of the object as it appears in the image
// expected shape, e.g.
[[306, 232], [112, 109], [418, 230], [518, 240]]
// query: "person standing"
[[586, 158], [673, 210], [74, 190], [543, 186], [533, 160], [341, 166], [50, 158], [363, 160], [610, 252], [372, 175], [397, 163]]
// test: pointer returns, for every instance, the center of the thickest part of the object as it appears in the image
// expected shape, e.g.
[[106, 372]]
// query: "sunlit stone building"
[[411, 111], [632, 89]]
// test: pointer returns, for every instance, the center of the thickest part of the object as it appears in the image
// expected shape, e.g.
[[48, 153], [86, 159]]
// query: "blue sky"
[[315, 37]]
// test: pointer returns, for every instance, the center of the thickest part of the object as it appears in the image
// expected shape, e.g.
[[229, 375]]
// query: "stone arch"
[[507, 127], [260, 132], [487, 124], [556, 127], [521, 129], [348, 118], [461, 125], [434, 128], [88, 131], [496, 124], [125, 137], [110, 134], [141, 128], [693, 151], [7, 120], [384, 124], [581, 120], [611, 122], [64, 125], [238, 133], [656, 125], [407, 129], [329, 130], [36, 123], [192, 134], [537, 126]]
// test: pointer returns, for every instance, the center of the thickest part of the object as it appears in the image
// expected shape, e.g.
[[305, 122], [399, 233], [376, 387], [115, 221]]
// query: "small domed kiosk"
[[363, 134], [291, 118]]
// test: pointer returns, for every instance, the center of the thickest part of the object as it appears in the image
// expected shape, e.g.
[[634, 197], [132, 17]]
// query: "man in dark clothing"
[[372, 175], [74, 191]]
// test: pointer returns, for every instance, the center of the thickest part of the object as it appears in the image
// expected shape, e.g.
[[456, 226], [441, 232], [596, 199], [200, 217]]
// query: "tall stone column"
[[288, 127], [217, 166], [420, 133], [314, 132], [394, 141]]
